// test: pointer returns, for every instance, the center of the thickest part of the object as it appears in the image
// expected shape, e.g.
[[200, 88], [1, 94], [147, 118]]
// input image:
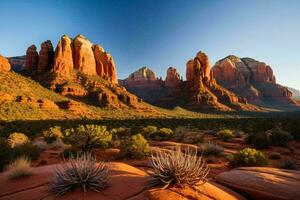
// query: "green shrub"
[[88, 137], [260, 140], [280, 137], [17, 139], [209, 149], [275, 156], [225, 134], [119, 133], [149, 130], [19, 168], [5, 153], [28, 150], [135, 147], [248, 157], [162, 134], [52, 134], [69, 153], [288, 164]]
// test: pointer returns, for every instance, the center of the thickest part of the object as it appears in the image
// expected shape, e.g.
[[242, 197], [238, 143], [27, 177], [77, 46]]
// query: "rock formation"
[[45, 56], [63, 59], [4, 64], [83, 55], [32, 58], [250, 79], [172, 78]]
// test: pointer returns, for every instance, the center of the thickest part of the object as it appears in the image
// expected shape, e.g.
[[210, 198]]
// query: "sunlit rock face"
[[4, 64], [172, 78], [46, 55], [251, 79], [32, 58]]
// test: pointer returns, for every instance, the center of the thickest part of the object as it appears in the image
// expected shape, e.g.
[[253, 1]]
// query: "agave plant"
[[82, 171], [178, 168]]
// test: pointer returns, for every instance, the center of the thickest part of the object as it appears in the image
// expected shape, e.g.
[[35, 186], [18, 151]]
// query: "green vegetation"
[[288, 164], [280, 137], [177, 168], [80, 172], [19, 168], [17, 139], [53, 134], [275, 156], [260, 140], [248, 157], [135, 147], [87, 137], [225, 134], [28, 150], [5, 153]]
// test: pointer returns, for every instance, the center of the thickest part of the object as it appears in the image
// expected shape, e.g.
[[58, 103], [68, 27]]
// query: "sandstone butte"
[[251, 79], [4, 64], [78, 53], [173, 78], [200, 90]]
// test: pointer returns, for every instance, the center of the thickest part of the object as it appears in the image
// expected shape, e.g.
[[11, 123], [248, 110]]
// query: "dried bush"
[[209, 149], [178, 168], [82, 171], [248, 157], [17, 139], [19, 168]]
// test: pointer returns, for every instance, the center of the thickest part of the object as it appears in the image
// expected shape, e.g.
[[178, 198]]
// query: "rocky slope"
[[200, 90], [251, 79], [80, 70]]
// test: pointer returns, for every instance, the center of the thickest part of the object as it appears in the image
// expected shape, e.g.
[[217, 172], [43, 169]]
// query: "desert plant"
[[28, 150], [280, 137], [288, 164], [247, 157], [178, 168], [19, 168], [260, 140], [149, 130], [121, 132], [82, 171], [225, 134], [135, 147], [162, 134], [52, 134], [275, 156], [5, 153], [88, 137], [17, 139], [208, 149]]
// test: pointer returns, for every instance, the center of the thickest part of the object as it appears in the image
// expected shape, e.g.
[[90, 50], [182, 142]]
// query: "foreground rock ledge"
[[125, 181], [263, 182]]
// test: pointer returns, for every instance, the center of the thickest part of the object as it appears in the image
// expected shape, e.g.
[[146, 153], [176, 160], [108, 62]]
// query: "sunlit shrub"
[[225, 134], [17, 139], [52, 134], [19, 168], [248, 157], [135, 147]]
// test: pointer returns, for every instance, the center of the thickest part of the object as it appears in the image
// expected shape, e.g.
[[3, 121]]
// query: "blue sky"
[[163, 33]]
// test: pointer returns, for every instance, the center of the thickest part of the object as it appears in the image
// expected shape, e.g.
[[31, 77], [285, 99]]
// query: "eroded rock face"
[[45, 56], [251, 79], [105, 65], [63, 58], [172, 78], [83, 55], [32, 58], [4, 64]]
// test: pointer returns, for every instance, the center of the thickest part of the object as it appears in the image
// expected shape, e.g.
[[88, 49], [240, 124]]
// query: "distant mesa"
[[251, 79]]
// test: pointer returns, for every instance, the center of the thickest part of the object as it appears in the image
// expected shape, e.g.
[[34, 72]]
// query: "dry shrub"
[[19, 168]]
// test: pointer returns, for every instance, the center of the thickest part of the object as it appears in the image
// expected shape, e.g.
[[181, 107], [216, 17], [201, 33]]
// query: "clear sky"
[[163, 33]]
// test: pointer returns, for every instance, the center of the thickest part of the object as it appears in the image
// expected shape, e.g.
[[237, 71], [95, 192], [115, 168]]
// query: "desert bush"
[[88, 137], [52, 134], [5, 153], [260, 140], [135, 147], [225, 134], [69, 152], [247, 157], [19, 168], [162, 134], [82, 171], [208, 149], [280, 137], [288, 164], [17, 139], [121, 132], [178, 168], [275, 156], [41, 144], [28, 150], [149, 130]]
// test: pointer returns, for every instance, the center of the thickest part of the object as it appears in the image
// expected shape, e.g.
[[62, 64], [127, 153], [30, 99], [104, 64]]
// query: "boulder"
[[45, 56], [172, 78], [4, 64], [63, 58], [83, 55], [263, 182], [32, 58]]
